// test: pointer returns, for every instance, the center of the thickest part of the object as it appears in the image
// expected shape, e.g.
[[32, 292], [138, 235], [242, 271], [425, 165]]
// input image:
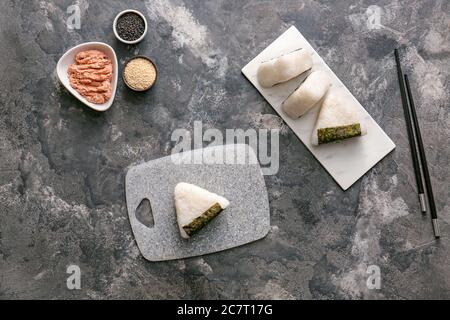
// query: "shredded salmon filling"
[[91, 76]]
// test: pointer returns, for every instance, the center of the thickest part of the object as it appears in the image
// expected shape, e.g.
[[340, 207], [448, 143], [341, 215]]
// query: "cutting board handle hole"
[[144, 213]]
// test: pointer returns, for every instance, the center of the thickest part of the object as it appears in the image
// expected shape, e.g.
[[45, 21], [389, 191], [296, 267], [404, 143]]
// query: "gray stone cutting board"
[[247, 218]]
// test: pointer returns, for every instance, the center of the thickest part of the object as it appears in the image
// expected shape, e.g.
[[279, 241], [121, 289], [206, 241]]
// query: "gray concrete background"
[[62, 165]]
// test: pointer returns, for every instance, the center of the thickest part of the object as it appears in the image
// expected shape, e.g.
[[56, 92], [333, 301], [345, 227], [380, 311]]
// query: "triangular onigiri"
[[196, 207], [339, 118]]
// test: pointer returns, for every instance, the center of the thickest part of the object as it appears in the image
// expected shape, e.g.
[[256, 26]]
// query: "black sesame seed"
[[130, 26]]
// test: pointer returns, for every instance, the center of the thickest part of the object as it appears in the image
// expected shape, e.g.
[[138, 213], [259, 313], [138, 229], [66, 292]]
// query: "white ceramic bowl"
[[69, 57], [115, 23]]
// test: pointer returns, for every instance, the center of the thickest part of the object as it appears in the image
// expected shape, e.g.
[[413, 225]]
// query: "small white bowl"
[[115, 23], [69, 57]]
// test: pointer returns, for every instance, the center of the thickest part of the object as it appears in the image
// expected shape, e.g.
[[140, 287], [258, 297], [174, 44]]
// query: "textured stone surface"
[[63, 165]]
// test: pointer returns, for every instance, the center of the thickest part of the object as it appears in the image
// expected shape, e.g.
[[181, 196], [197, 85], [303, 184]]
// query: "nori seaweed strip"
[[198, 223]]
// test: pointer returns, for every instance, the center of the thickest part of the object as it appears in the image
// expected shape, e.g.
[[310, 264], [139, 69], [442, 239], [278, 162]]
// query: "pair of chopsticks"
[[416, 145]]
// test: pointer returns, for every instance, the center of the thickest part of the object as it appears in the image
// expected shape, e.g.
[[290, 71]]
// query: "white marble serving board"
[[345, 161]]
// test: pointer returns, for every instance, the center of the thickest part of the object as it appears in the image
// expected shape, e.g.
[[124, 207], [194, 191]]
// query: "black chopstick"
[[409, 128], [423, 158]]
